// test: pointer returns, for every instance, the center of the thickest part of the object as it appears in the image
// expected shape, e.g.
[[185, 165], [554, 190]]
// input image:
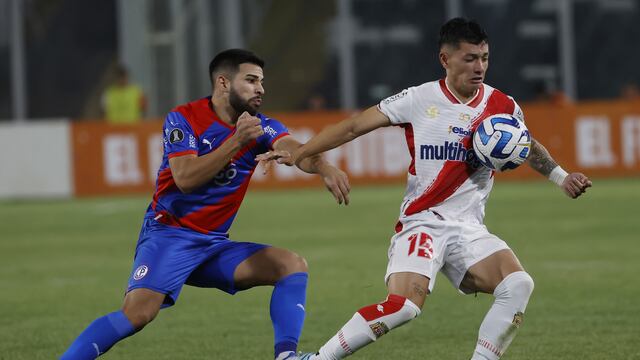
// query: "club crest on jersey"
[[140, 272], [452, 151], [432, 112], [464, 117], [176, 135]]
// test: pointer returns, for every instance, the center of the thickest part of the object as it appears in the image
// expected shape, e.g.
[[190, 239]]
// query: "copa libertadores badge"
[[176, 135]]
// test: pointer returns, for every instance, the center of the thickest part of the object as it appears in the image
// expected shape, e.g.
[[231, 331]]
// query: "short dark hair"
[[458, 30], [230, 60]]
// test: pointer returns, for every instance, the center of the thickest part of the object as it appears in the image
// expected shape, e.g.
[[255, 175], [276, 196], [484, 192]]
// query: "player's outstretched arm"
[[335, 135], [574, 184], [335, 179], [191, 171]]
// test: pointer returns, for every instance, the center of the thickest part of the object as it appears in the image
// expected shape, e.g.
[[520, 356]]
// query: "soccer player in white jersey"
[[441, 221]]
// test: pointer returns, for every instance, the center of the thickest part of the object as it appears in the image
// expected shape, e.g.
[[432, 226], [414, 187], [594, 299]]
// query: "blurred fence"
[[91, 158]]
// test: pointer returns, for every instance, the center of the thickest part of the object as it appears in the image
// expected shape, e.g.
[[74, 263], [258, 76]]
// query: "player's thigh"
[[416, 255], [485, 275], [218, 271], [267, 266]]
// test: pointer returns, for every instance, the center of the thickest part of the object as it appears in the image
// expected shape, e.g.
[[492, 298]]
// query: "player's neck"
[[224, 111], [461, 96]]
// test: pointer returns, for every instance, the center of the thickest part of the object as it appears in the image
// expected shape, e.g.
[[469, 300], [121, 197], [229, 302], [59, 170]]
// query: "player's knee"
[[517, 286], [522, 285], [140, 316], [290, 264]]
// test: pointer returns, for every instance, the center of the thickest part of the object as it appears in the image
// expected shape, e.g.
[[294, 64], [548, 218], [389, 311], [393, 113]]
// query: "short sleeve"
[[398, 107], [273, 130], [178, 136], [517, 111]]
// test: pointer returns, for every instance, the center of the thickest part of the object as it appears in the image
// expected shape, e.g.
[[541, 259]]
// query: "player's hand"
[[336, 182], [248, 128], [575, 184], [279, 156], [267, 159]]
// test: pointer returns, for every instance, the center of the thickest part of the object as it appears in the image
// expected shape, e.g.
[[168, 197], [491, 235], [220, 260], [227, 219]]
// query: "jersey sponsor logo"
[[270, 131], [395, 97], [176, 135], [226, 175], [453, 151], [459, 131], [192, 141], [140, 272]]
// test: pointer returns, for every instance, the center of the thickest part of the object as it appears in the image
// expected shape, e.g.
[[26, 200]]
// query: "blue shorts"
[[168, 257]]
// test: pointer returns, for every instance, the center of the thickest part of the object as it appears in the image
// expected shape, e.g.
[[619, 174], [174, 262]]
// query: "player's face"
[[246, 89], [466, 66]]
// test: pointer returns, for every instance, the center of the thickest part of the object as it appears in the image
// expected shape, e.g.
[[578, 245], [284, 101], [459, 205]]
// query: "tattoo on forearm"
[[540, 159]]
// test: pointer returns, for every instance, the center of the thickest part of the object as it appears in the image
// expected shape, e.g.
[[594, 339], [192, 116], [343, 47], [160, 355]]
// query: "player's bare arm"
[[573, 184], [334, 179], [335, 135], [192, 171]]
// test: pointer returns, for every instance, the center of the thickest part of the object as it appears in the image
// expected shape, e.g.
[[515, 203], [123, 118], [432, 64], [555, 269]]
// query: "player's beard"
[[240, 105]]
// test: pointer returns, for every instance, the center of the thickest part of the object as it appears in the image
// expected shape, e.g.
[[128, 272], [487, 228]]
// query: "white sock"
[[505, 316], [367, 325]]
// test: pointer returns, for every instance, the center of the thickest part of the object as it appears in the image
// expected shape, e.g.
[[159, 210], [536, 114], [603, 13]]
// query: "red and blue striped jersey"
[[194, 128]]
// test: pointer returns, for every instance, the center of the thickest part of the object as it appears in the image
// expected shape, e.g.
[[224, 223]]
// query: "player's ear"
[[444, 58], [222, 82]]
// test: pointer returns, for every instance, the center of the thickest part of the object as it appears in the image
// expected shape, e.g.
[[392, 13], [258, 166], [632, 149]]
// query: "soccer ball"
[[501, 142]]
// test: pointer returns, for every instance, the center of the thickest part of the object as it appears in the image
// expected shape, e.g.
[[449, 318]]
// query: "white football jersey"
[[445, 176]]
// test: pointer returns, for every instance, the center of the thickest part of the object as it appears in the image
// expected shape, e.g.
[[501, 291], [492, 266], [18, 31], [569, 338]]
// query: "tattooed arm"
[[574, 184]]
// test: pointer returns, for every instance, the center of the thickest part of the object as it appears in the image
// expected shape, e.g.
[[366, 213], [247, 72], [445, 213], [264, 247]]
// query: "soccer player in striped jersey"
[[210, 146], [441, 228]]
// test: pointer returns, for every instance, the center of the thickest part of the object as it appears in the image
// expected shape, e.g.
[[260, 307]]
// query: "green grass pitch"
[[64, 263]]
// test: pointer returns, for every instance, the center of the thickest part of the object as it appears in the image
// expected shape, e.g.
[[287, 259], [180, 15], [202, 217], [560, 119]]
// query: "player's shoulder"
[[193, 110], [411, 92], [501, 99], [268, 120], [499, 94]]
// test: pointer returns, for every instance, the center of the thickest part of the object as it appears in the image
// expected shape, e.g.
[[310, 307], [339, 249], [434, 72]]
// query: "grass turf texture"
[[64, 263]]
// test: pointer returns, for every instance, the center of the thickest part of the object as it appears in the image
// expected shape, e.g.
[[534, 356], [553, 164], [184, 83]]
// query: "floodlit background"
[[74, 187]]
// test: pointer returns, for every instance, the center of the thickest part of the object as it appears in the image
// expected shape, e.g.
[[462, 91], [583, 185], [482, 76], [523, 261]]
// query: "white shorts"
[[432, 244]]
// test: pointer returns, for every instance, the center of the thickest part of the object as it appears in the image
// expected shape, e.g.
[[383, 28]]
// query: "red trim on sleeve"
[[181, 153], [278, 138]]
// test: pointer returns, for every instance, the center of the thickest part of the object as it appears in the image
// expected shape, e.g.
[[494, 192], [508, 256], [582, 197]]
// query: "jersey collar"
[[454, 99]]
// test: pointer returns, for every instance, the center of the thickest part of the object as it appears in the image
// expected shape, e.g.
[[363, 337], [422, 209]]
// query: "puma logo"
[[205, 141]]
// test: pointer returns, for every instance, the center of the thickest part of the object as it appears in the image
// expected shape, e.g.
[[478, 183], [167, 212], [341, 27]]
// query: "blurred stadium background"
[[73, 188]]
